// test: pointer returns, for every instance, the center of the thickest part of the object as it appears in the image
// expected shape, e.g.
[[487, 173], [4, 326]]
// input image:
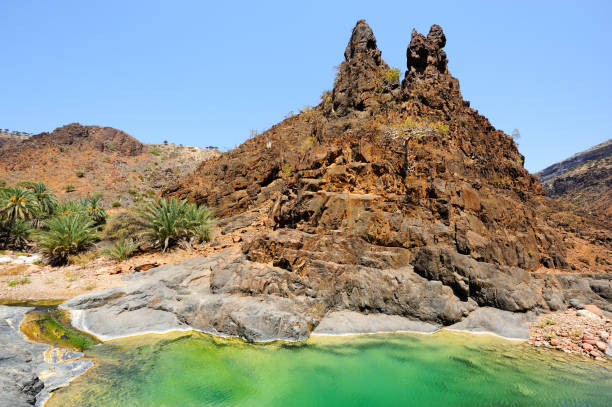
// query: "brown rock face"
[[361, 75], [426, 52], [584, 182], [402, 201], [427, 78]]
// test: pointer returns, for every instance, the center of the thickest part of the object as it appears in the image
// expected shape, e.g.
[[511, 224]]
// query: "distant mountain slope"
[[11, 138], [76, 160], [584, 180]]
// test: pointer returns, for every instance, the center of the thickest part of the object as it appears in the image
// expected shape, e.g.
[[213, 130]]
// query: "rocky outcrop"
[[427, 77], [202, 293], [363, 74], [396, 201], [583, 181], [242, 294], [30, 371]]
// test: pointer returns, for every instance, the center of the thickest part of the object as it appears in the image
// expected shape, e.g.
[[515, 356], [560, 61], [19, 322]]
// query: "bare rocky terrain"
[[583, 182]]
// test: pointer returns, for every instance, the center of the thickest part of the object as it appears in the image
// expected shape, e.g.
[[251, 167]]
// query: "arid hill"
[[76, 160], [584, 182]]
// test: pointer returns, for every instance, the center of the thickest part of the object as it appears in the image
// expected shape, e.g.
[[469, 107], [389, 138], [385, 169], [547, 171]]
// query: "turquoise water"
[[444, 369]]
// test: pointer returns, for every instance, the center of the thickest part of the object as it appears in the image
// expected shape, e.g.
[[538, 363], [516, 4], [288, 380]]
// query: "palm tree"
[[20, 233], [170, 221], [94, 210], [47, 201], [165, 221], [18, 203], [65, 235]]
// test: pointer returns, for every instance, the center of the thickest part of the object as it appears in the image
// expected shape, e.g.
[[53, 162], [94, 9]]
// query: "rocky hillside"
[[584, 181], [407, 165], [77, 160], [388, 197]]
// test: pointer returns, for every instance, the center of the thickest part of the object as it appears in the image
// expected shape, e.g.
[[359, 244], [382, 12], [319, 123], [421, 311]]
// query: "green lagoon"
[[443, 369]]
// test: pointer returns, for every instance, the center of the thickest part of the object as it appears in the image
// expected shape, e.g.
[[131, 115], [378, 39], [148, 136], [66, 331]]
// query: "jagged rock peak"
[[426, 52], [362, 41], [359, 76]]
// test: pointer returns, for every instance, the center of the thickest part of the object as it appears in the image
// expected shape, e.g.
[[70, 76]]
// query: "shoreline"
[[352, 329], [77, 321]]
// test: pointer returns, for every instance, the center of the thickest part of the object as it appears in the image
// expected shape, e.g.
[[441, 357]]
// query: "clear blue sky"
[[198, 73]]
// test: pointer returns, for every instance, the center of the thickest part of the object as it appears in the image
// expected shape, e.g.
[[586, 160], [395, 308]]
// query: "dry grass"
[[85, 258], [14, 270], [90, 286], [72, 275]]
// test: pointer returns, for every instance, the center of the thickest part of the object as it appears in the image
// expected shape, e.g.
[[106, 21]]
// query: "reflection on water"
[[443, 369]]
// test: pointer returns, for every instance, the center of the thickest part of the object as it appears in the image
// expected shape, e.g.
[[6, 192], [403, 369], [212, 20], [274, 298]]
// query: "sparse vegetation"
[[326, 96], [80, 173], [21, 281], [84, 258], [72, 275], [90, 286], [69, 188], [121, 250], [417, 128], [387, 79], [286, 170], [116, 204]]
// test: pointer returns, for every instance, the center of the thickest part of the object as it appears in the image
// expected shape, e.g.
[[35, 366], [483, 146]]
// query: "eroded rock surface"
[[230, 293], [29, 371]]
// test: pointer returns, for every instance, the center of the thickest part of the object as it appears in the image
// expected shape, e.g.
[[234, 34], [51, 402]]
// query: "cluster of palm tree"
[[29, 211], [23, 208]]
